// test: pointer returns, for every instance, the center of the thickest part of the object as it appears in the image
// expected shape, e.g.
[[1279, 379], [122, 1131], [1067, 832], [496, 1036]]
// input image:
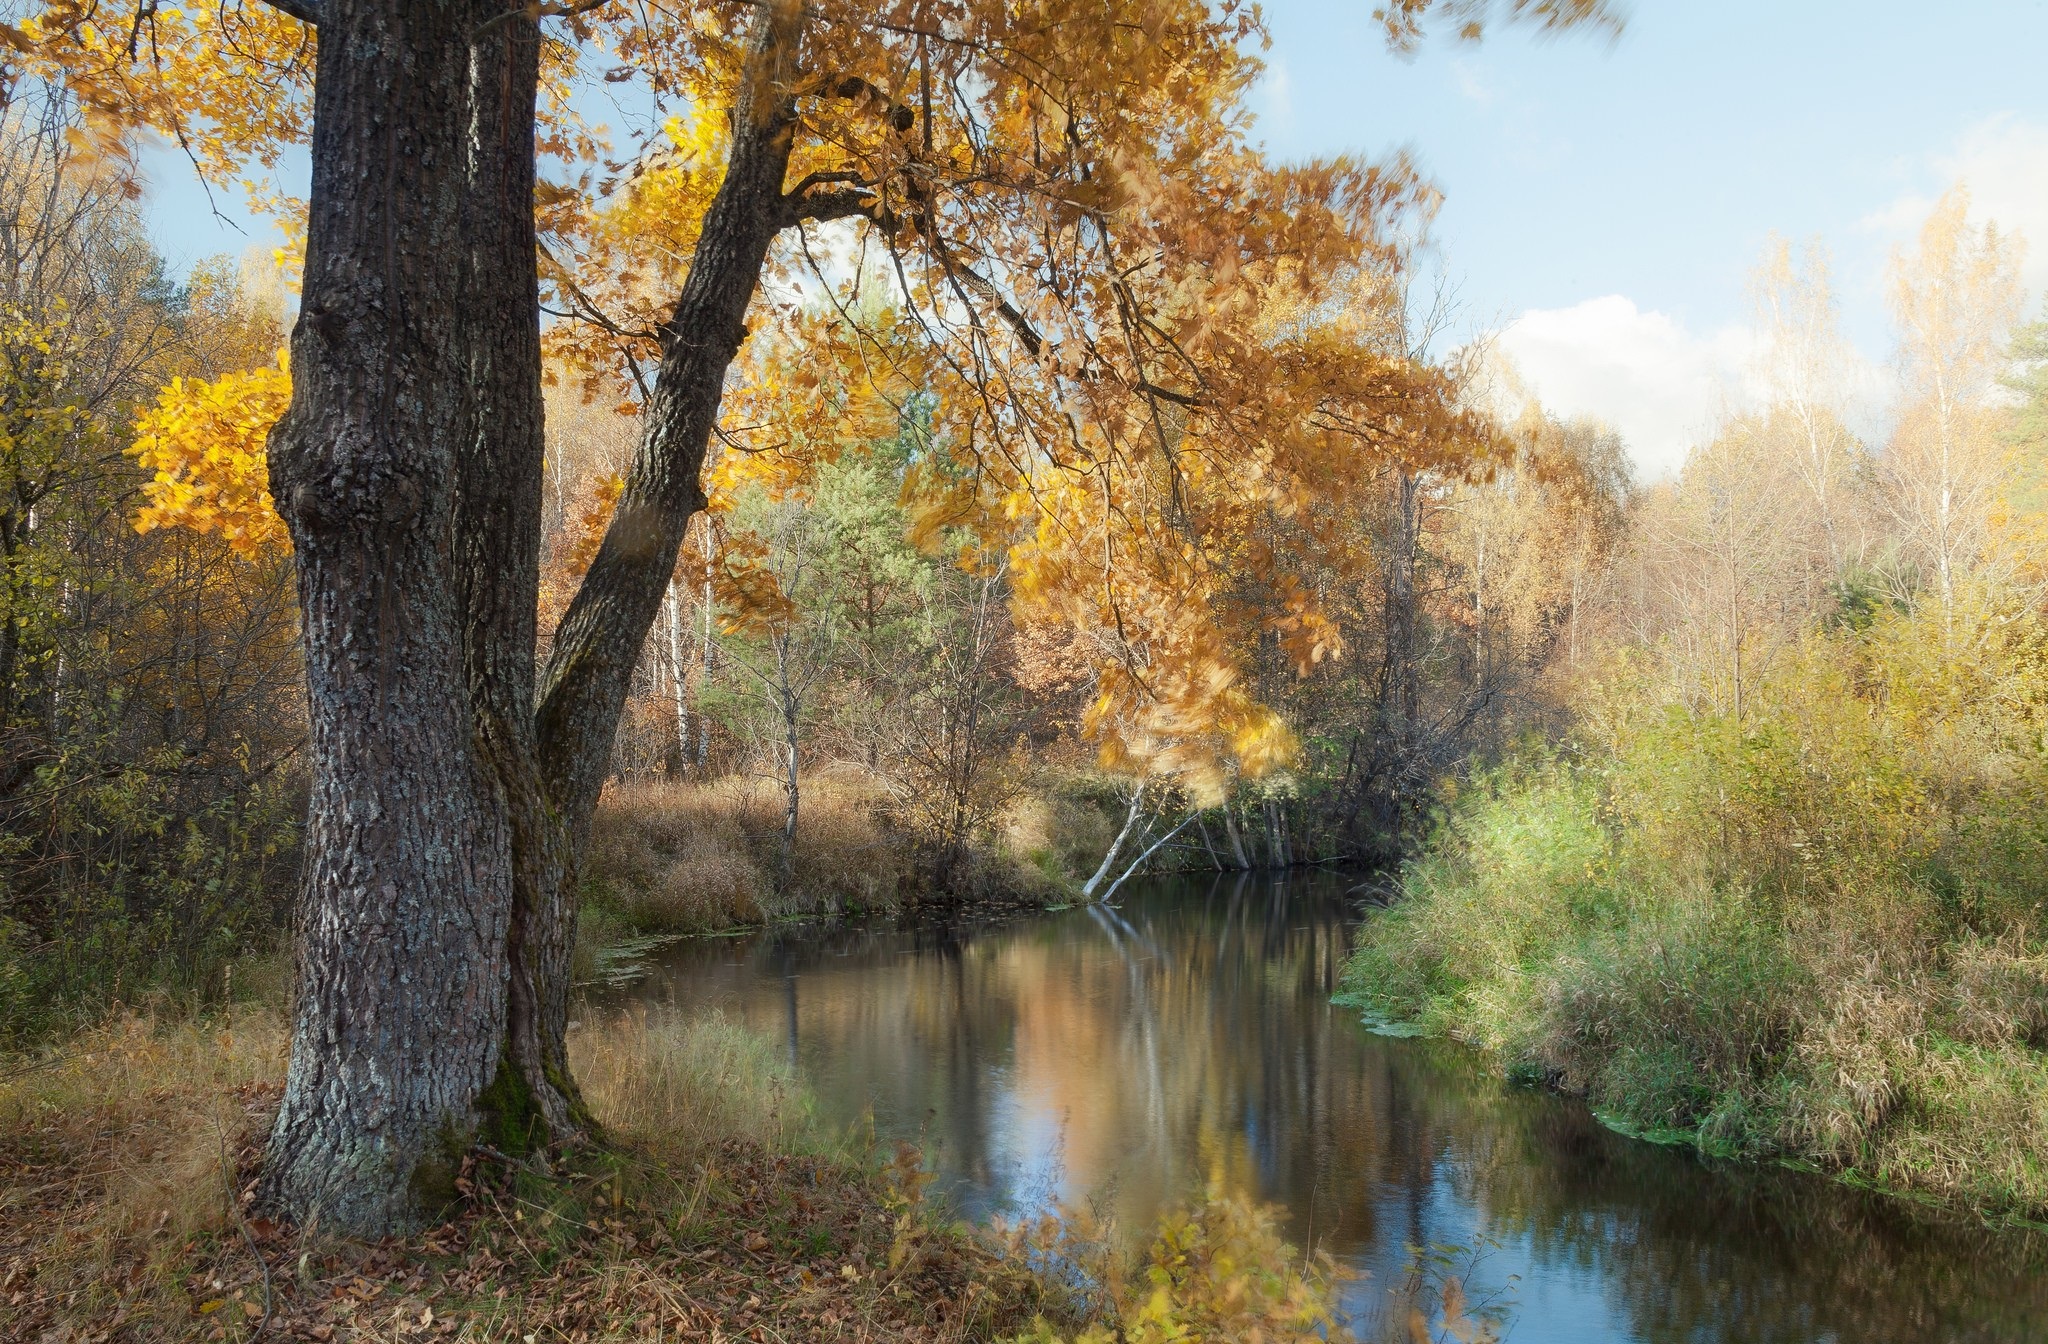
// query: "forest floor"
[[127, 1188]]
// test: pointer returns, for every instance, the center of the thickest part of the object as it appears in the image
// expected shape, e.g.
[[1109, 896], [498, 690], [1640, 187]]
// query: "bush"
[[1816, 931]]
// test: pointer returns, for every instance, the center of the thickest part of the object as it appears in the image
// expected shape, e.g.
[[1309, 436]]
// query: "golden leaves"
[[587, 533], [205, 443]]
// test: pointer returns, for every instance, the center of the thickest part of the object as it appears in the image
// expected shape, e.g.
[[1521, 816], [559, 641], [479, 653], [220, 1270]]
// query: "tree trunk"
[[1236, 840], [791, 716], [498, 527], [1116, 845], [675, 758], [407, 884], [600, 638], [1209, 845], [1139, 862]]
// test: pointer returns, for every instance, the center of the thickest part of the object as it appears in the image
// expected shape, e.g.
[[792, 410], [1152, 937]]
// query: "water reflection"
[[1132, 1056]]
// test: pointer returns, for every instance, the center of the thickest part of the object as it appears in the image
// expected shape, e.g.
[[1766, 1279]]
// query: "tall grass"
[[118, 1149], [678, 1085], [687, 858], [1814, 932]]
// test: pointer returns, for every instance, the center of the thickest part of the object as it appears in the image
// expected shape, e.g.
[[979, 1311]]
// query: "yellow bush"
[[1817, 928], [1218, 1271]]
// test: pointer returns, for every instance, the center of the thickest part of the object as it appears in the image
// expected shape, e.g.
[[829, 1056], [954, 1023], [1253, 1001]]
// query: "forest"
[[947, 471]]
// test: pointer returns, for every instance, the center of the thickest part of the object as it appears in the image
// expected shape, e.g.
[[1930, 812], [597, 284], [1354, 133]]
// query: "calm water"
[[1132, 1056]]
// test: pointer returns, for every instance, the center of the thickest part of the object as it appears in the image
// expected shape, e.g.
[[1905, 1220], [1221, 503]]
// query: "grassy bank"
[[1812, 932], [717, 1207], [701, 858]]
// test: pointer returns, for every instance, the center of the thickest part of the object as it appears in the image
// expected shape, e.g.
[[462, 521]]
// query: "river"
[[1186, 1039]]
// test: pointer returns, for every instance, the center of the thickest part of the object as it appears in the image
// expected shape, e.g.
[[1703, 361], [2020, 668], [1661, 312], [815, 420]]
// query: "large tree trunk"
[[406, 887], [600, 638], [498, 527]]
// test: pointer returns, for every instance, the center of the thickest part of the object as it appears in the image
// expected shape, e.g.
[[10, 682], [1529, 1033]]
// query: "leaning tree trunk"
[[497, 553], [599, 641], [406, 887]]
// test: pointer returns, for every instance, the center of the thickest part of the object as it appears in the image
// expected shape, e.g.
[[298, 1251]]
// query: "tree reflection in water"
[[1133, 1056]]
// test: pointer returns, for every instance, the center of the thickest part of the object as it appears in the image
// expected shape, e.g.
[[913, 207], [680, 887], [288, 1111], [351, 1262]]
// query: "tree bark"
[[600, 638], [498, 529], [407, 883], [1236, 840], [1139, 862]]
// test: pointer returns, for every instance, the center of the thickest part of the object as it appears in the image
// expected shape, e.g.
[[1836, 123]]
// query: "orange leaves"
[[587, 533], [741, 576], [230, 83], [1305, 632], [204, 442]]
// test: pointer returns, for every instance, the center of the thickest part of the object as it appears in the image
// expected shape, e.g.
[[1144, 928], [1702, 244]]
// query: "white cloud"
[[1663, 387], [1273, 98], [1471, 86], [2004, 162]]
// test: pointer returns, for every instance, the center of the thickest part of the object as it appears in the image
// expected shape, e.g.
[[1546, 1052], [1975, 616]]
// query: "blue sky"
[[1605, 201]]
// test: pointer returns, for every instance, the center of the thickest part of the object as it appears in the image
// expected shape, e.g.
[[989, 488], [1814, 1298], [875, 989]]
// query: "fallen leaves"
[[767, 1248]]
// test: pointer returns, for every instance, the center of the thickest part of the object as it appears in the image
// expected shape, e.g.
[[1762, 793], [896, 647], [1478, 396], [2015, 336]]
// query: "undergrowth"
[[1814, 932], [685, 858]]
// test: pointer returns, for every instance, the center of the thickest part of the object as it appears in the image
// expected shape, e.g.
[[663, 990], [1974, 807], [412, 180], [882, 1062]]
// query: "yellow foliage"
[[205, 443], [1217, 1271], [1140, 344], [588, 532]]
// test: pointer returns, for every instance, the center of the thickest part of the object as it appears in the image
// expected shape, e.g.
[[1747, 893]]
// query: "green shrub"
[[1814, 930]]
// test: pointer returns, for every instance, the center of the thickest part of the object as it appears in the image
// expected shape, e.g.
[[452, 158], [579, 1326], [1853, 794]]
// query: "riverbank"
[[686, 858], [717, 1206], [128, 1156], [1812, 934]]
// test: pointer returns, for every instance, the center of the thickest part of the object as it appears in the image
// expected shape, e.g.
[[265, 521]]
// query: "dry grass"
[[1059, 836], [127, 1174], [679, 1086], [689, 858], [117, 1157], [127, 1169]]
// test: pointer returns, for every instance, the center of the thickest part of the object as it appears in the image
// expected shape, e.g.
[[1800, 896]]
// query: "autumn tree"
[[1804, 368], [1955, 299], [1125, 319], [148, 700]]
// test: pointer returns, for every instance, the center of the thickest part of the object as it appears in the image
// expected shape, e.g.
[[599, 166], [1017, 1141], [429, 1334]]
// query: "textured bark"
[[498, 527], [406, 887], [601, 635]]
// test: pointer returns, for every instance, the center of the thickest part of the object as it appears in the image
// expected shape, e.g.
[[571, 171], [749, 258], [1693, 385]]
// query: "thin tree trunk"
[[1139, 862], [591, 665], [1236, 840], [680, 684], [406, 895], [1215, 861], [1116, 845], [791, 715]]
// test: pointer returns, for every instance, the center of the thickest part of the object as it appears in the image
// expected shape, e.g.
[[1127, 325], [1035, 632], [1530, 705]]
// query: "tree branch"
[[307, 12], [802, 205]]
